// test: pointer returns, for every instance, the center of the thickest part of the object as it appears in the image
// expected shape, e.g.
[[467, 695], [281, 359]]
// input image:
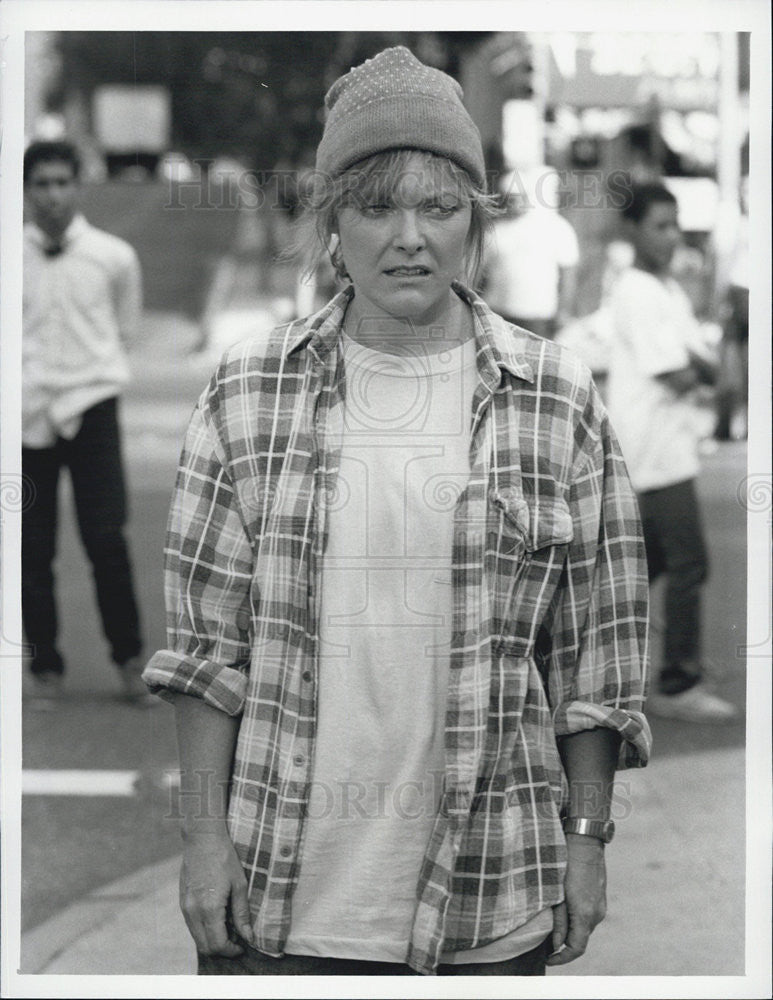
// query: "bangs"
[[380, 178]]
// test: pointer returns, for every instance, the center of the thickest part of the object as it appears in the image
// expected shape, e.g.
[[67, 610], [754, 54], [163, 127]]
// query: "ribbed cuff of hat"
[[393, 101]]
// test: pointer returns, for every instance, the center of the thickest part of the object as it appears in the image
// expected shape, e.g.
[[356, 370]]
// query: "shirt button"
[[306, 675], [286, 851]]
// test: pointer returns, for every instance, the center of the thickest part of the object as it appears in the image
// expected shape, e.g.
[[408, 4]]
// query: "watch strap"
[[602, 830]]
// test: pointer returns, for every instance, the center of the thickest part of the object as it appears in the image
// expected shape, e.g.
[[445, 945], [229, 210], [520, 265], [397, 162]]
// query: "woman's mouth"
[[404, 271]]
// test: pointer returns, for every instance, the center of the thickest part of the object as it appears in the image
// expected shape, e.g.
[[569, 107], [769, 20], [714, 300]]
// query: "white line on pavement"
[[90, 782], [60, 782]]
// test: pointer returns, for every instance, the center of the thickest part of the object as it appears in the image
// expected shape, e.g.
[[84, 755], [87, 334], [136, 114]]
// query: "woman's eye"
[[441, 210], [377, 208]]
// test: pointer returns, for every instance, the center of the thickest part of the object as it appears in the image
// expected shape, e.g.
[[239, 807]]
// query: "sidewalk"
[[676, 890]]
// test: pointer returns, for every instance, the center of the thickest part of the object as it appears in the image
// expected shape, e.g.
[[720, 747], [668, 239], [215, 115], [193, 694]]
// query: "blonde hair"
[[378, 177]]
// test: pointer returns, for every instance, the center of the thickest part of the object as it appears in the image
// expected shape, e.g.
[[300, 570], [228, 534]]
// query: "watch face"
[[609, 831]]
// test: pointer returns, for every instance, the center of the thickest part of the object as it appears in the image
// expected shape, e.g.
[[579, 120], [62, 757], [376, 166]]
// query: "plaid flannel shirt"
[[549, 631]]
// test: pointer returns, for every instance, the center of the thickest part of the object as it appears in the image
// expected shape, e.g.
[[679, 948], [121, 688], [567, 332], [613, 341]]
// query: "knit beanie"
[[393, 101]]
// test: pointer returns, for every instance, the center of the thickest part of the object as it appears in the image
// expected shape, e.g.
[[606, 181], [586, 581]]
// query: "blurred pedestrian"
[[656, 372], [531, 266], [406, 595], [733, 384], [81, 306]]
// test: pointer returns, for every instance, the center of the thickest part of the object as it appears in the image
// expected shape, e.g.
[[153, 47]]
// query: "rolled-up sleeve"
[[207, 578], [598, 659]]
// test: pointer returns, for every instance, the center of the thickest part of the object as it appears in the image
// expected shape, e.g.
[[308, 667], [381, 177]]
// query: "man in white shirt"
[[655, 368], [532, 262], [82, 303]]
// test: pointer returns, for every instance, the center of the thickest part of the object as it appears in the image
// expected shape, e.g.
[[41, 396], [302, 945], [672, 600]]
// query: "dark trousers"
[[255, 963], [673, 537], [93, 457]]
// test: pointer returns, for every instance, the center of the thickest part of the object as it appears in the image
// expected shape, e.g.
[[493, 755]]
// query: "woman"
[[407, 596]]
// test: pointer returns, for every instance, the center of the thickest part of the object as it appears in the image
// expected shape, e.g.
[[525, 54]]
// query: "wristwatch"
[[603, 830]]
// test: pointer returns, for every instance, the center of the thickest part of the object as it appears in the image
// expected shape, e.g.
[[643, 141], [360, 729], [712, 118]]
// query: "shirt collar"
[[497, 343], [77, 226], [321, 331]]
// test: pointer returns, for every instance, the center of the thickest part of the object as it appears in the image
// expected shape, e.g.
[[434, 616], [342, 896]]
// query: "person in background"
[[81, 307], [531, 265], [406, 595], [655, 371], [733, 385]]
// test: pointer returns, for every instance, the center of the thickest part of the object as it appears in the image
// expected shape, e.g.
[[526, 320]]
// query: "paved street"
[[72, 844]]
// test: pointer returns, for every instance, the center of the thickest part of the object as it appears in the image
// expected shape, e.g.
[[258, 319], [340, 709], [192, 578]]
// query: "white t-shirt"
[[653, 323], [385, 635], [523, 270]]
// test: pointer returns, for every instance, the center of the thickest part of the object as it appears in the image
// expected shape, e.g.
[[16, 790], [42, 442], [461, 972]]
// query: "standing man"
[[531, 272], [82, 303], [655, 369]]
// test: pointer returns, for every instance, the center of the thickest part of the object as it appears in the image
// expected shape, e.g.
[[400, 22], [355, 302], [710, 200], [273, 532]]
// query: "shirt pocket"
[[528, 525], [525, 556], [552, 521]]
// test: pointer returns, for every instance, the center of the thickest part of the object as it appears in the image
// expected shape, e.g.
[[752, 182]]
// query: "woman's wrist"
[[580, 845]]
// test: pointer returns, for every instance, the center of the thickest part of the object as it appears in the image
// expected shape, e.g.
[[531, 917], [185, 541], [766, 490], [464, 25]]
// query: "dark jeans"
[[255, 963], [674, 540], [93, 457]]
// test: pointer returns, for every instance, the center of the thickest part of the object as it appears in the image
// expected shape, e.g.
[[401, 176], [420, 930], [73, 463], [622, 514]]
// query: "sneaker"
[[45, 690], [708, 447], [134, 688], [696, 704]]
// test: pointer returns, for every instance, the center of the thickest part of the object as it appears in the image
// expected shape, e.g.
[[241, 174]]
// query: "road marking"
[[118, 783], [123, 784]]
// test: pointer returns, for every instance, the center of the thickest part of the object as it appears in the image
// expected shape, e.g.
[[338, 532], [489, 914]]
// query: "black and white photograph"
[[385, 504]]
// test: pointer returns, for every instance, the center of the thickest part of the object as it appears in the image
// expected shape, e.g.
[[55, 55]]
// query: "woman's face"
[[402, 251]]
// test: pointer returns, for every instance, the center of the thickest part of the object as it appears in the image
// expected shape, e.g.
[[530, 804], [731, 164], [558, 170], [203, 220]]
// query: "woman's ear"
[[336, 256]]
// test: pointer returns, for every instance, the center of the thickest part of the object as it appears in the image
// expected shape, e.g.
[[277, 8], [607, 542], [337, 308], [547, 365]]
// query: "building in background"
[[596, 105], [665, 105]]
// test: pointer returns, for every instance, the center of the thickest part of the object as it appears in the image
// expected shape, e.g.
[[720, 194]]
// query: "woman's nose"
[[409, 235]]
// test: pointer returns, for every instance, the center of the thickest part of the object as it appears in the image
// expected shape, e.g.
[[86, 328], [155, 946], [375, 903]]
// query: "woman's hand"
[[585, 902], [212, 883]]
